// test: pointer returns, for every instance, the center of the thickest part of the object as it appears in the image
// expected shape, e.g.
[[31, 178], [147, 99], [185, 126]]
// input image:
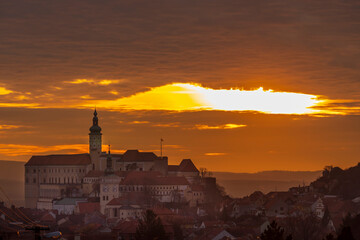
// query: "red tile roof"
[[89, 207], [64, 159], [187, 165], [127, 227]]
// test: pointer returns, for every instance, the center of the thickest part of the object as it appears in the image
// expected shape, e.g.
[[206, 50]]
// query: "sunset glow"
[[188, 97]]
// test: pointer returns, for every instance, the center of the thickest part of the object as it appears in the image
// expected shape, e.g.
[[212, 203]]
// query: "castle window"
[[115, 212], [103, 198], [34, 180], [34, 170], [44, 180], [44, 170], [26, 180]]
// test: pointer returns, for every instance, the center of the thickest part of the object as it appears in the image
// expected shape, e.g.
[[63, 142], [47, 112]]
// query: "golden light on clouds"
[[8, 127], [21, 150], [4, 91], [188, 97], [225, 126], [215, 154], [103, 82]]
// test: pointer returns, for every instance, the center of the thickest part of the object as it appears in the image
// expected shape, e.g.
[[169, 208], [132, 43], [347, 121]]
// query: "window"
[[103, 198], [34, 170], [34, 180], [26, 180], [44, 180]]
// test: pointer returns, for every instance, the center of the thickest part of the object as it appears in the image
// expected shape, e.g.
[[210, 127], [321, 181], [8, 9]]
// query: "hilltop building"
[[120, 183]]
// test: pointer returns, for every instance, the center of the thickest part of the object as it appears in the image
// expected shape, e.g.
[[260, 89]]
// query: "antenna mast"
[[161, 141]]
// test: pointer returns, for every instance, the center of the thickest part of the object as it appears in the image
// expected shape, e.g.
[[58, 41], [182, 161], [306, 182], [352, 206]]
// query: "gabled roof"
[[187, 165], [136, 156], [63, 159]]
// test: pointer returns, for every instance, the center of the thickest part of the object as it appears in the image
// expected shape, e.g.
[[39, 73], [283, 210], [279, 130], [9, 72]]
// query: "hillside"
[[336, 181], [243, 184]]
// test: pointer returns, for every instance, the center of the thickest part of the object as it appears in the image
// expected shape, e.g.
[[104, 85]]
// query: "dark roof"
[[98, 173], [136, 156], [187, 165], [139, 177], [152, 178], [173, 168], [131, 198], [127, 227], [88, 207], [64, 159]]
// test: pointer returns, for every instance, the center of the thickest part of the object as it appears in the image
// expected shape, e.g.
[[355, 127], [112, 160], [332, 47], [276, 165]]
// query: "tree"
[[274, 232], [178, 233], [150, 227], [329, 237], [346, 234], [304, 227]]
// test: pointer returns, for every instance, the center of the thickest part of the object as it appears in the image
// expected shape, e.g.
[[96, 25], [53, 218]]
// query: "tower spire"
[[95, 142]]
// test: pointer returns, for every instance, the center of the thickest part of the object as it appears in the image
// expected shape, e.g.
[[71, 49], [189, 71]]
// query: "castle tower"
[[95, 143]]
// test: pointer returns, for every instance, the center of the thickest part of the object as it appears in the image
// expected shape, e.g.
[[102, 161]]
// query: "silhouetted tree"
[[329, 237], [346, 234], [178, 233], [304, 227], [274, 232], [150, 228]]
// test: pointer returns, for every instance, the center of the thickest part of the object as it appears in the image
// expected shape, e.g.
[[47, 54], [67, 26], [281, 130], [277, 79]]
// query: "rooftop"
[[63, 159]]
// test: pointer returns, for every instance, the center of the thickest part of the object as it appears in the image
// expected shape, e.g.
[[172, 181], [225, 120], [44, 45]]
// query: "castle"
[[122, 184]]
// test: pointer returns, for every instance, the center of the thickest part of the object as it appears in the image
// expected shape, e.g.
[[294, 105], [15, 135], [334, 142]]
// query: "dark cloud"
[[302, 46]]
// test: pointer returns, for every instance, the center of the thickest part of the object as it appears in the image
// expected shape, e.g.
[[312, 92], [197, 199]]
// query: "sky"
[[240, 86]]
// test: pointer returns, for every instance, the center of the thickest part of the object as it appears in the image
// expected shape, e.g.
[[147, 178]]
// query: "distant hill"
[[336, 181], [243, 184], [12, 181]]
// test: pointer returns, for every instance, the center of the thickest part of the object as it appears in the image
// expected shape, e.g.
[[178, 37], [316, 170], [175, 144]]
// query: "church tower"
[[95, 143]]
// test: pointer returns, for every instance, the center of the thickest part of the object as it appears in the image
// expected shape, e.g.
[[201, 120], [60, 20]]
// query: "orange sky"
[[188, 72]]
